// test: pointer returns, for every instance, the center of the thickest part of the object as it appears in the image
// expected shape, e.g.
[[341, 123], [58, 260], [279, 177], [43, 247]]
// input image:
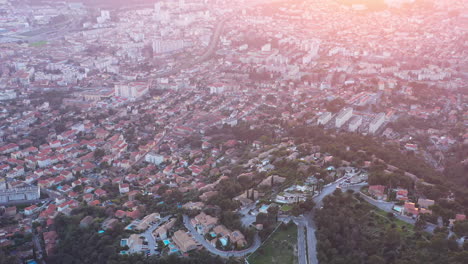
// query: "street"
[[148, 234], [207, 245], [301, 244]]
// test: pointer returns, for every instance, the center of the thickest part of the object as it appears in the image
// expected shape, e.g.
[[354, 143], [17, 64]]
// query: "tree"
[[99, 153]]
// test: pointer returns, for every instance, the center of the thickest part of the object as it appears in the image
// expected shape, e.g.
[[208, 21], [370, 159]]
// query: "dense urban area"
[[242, 131]]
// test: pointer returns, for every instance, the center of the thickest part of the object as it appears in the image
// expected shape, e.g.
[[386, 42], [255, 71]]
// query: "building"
[[86, 221], [378, 191], [355, 123], [161, 46], [425, 203], [343, 116], [376, 123], [154, 158], [20, 194], [131, 90], [184, 241], [324, 118], [203, 222], [147, 221], [135, 243]]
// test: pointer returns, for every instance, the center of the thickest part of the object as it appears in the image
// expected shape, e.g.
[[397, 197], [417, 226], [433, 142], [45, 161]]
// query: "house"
[[402, 195], [410, 209], [147, 221], [377, 191], [184, 241], [109, 223], [238, 238], [124, 188], [425, 203], [221, 230], [193, 205], [120, 214], [30, 209], [100, 193], [86, 221], [203, 222], [135, 243], [458, 217], [207, 195]]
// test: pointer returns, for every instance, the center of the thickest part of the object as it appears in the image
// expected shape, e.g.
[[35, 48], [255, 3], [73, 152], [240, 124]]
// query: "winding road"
[[202, 241], [148, 234]]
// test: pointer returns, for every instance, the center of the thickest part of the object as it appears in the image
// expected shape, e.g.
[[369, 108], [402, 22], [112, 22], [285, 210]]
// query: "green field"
[[280, 248], [38, 44], [384, 219]]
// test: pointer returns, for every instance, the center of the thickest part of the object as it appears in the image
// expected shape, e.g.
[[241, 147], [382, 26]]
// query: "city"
[[214, 131]]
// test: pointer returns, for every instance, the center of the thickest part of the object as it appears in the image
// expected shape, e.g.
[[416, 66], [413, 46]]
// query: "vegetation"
[[279, 248], [38, 44], [352, 231]]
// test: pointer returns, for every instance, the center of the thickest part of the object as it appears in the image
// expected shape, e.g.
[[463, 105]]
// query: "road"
[[301, 244], [225, 254], [148, 234], [310, 224], [206, 55]]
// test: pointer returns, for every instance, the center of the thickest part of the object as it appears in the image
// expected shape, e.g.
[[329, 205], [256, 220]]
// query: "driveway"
[[207, 245]]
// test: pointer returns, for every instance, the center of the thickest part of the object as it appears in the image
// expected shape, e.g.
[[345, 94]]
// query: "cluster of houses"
[[209, 227]]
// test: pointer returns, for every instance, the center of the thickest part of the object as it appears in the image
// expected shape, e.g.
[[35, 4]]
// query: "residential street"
[[301, 244], [148, 234], [201, 240]]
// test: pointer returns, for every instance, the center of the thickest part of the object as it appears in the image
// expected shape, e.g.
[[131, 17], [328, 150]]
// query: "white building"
[[20, 194], [343, 116], [216, 88], [376, 123], [131, 90], [154, 158], [7, 95], [170, 45], [324, 118], [355, 123]]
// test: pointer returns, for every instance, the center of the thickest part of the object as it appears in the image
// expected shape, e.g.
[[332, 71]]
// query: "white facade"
[[343, 116], [154, 158], [20, 194], [355, 123], [131, 90], [165, 46], [324, 118], [376, 123]]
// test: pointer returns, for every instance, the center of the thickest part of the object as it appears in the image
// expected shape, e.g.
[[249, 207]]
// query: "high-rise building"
[[343, 116], [376, 123], [324, 118], [355, 123], [131, 90], [170, 45]]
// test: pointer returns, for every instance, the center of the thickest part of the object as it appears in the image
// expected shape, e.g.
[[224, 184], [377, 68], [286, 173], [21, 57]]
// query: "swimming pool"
[[123, 242], [166, 242]]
